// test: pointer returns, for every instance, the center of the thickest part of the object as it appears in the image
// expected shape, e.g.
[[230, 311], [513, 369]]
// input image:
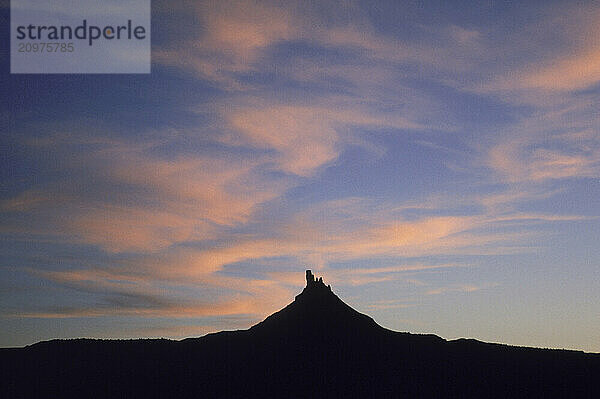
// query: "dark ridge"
[[317, 346]]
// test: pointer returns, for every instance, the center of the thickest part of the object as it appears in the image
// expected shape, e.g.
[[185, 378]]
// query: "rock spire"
[[311, 282]]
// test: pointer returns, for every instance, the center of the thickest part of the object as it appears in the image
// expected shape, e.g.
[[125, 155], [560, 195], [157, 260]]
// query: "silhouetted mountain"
[[317, 346]]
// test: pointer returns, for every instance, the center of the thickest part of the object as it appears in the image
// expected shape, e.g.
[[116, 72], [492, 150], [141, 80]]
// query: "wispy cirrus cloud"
[[571, 72], [558, 142], [147, 284], [305, 137], [123, 197], [232, 40], [142, 290], [459, 288], [570, 67], [240, 38]]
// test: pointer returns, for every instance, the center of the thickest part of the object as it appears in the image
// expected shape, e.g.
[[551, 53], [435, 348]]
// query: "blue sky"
[[437, 164]]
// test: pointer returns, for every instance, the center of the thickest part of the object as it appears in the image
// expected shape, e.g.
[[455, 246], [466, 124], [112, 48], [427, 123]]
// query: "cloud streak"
[[121, 197]]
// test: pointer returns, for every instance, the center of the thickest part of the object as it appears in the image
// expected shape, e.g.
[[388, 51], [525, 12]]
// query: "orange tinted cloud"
[[233, 39], [570, 67], [240, 28], [145, 292], [517, 161], [429, 236], [574, 72], [305, 137], [145, 203], [236, 37], [146, 285], [459, 288]]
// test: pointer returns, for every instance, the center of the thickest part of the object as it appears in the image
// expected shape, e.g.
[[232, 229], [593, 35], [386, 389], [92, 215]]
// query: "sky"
[[438, 163]]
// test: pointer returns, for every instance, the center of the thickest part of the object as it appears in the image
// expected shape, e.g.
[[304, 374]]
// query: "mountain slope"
[[317, 346], [316, 311]]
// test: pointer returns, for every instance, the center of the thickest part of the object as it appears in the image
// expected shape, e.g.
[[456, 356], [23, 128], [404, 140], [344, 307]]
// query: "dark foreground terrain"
[[315, 347]]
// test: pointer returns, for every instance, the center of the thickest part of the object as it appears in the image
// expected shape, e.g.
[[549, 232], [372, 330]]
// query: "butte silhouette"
[[316, 347]]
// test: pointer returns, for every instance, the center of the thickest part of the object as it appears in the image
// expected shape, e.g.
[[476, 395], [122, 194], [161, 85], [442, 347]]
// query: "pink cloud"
[[147, 203], [574, 66], [304, 137]]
